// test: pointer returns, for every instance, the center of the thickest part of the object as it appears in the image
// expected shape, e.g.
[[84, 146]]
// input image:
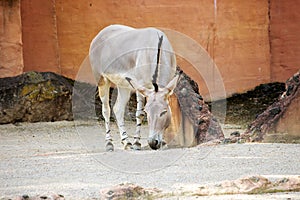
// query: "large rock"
[[46, 96], [35, 97], [196, 124], [280, 121], [246, 185]]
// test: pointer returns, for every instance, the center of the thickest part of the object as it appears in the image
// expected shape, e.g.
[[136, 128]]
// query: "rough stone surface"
[[246, 185], [127, 191], [46, 96], [11, 51], [35, 97], [250, 185], [193, 107], [282, 115]]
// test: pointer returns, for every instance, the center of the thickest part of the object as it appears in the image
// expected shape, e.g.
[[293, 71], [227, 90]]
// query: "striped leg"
[[103, 89], [119, 110], [139, 119]]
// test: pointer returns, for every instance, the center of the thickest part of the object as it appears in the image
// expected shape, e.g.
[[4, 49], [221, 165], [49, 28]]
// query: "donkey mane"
[[155, 87], [154, 77]]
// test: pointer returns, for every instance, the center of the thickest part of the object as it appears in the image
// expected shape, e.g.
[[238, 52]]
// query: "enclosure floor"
[[68, 158]]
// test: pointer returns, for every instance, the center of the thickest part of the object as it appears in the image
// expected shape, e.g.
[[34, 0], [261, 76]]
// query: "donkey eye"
[[164, 112]]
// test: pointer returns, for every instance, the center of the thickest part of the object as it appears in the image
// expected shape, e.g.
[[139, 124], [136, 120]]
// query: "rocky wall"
[[11, 53]]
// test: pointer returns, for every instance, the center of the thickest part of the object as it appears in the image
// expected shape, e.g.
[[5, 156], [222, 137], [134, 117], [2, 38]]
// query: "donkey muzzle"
[[155, 144]]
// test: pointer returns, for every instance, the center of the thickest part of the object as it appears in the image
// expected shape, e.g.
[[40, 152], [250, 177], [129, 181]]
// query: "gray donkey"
[[135, 59]]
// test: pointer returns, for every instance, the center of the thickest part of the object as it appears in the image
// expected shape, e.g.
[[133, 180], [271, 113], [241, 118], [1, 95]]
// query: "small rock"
[[57, 197], [127, 191], [274, 111], [183, 92], [199, 96], [289, 90], [200, 121], [227, 141], [198, 107], [235, 133], [296, 78]]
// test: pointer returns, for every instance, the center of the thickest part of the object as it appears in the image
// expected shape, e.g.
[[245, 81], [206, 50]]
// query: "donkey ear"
[[144, 91], [168, 90]]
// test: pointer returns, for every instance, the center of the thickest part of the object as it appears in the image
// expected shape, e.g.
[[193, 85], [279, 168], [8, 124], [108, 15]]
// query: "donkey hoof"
[[128, 146], [137, 146], [109, 146]]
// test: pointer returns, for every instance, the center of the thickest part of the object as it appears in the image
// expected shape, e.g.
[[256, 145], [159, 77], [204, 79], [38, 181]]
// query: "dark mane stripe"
[[155, 87], [154, 77]]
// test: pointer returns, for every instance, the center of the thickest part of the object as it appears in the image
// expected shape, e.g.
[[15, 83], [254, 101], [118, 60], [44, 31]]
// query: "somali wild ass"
[[135, 59]]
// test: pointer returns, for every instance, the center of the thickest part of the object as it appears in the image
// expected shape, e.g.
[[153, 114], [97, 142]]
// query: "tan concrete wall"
[[235, 34], [11, 53], [284, 39], [41, 52]]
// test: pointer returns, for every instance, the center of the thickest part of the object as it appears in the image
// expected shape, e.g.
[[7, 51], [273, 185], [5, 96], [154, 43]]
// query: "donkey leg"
[[103, 88], [140, 114], [119, 110]]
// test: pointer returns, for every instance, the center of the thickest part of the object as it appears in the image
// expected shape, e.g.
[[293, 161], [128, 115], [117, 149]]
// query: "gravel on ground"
[[68, 158]]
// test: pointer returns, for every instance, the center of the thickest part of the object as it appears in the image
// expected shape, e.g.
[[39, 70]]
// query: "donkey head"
[[157, 109]]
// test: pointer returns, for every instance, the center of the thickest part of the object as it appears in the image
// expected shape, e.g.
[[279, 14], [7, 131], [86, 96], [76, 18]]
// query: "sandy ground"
[[68, 158]]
